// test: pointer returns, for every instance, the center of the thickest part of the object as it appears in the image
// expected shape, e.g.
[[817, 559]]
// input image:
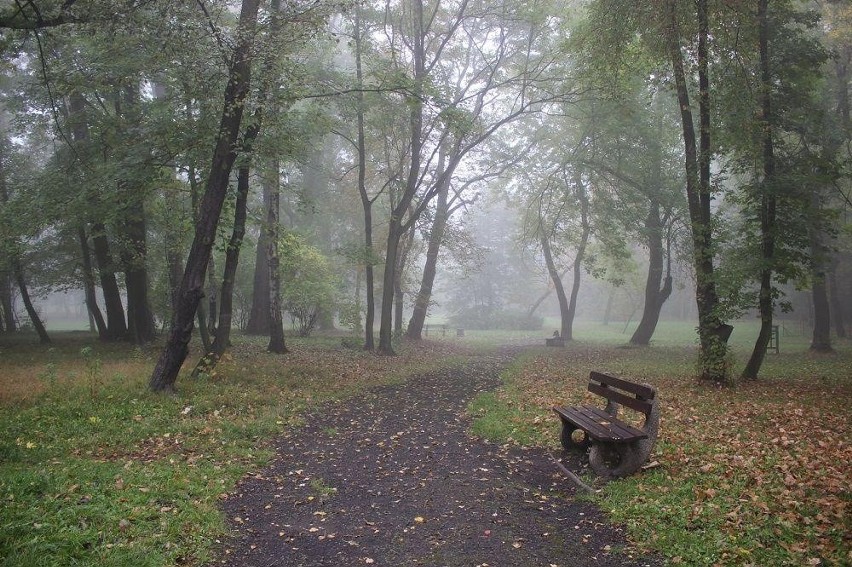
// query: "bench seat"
[[600, 425]]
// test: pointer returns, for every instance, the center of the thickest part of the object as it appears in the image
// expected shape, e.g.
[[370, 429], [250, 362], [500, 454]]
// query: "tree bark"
[[713, 334], [232, 257], [134, 251], [9, 323], [212, 297], [565, 322], [767, 202], [655, 296], [276, 321], [191, 289], [366, 201], [834, 297], [140, 318], [821, 341], [583, 198], [258, 322], [28, 304], [395, 224], [89, 285], [430, 268], [406, 244], [116, 324]]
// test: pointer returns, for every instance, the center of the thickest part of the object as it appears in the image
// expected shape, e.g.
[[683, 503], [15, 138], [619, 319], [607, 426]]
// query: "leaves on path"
[[394, 478]]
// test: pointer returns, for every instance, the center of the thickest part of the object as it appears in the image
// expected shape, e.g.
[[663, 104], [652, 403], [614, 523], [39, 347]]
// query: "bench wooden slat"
[[617, 428], [623, 399], [640, 390], [599, 425]]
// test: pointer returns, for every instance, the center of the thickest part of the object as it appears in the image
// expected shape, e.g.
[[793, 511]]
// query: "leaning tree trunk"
[[398, 293], [192, 284], [436, 239], [89, 286], [9, 324], [116, 325], [232, 254], [585, 210], [767, 203], [564, 312], [28, 304], [655, 296]]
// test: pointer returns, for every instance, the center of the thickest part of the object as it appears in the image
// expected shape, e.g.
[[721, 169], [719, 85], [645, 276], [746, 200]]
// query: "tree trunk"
[[388, 279], [821, 341], [568, 318], [139, 316], [192, 284], [134, 251], [276, 321], [399, 296], [232, 258], [655, 296], [436, 239], [212, 297], [174, 259], [395, 224], [366, 202], [116, 325], [258, 322], [89, 286], [9, 324], [834, 297], [713, 334], [767, 202], [565, 322], [28, 304]]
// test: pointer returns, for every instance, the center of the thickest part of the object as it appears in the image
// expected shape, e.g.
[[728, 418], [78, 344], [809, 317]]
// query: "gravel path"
[[393, 478]]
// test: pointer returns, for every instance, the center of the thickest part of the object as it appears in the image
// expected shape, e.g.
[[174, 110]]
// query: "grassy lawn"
[[758, 474], [94, 470]]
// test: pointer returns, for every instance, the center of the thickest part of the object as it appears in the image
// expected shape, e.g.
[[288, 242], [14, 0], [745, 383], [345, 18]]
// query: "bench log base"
[[617, 460]]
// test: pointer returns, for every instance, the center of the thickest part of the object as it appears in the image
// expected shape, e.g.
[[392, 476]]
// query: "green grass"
[[95, 470]]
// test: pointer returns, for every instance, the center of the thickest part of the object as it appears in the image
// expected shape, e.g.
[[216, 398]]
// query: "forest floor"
[[393, 477]]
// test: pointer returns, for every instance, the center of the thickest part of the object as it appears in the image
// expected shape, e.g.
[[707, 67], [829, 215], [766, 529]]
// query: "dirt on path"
[[393, 478]]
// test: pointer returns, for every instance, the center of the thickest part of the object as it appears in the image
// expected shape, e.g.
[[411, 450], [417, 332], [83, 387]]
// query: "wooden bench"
[[616, 448]]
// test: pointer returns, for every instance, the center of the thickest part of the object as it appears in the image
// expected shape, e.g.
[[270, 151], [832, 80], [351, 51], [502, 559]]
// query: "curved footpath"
[[392, 478]]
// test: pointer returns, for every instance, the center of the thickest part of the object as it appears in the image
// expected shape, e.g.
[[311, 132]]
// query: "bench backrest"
[[634, 396]]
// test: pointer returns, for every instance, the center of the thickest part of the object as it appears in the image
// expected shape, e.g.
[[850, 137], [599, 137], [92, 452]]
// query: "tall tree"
[[191, 289]]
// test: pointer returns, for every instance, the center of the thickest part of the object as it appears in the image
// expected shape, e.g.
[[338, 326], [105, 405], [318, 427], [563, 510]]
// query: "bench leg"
[[616, 460], [573, 438]]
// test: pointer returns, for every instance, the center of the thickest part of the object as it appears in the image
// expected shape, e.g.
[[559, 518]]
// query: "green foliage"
[[308, 281]]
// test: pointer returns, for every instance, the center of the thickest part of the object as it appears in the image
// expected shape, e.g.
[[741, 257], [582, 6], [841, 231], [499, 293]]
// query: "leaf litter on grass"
[[754, 474]]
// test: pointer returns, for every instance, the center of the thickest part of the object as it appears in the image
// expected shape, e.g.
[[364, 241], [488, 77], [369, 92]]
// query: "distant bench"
[[616, 448]]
